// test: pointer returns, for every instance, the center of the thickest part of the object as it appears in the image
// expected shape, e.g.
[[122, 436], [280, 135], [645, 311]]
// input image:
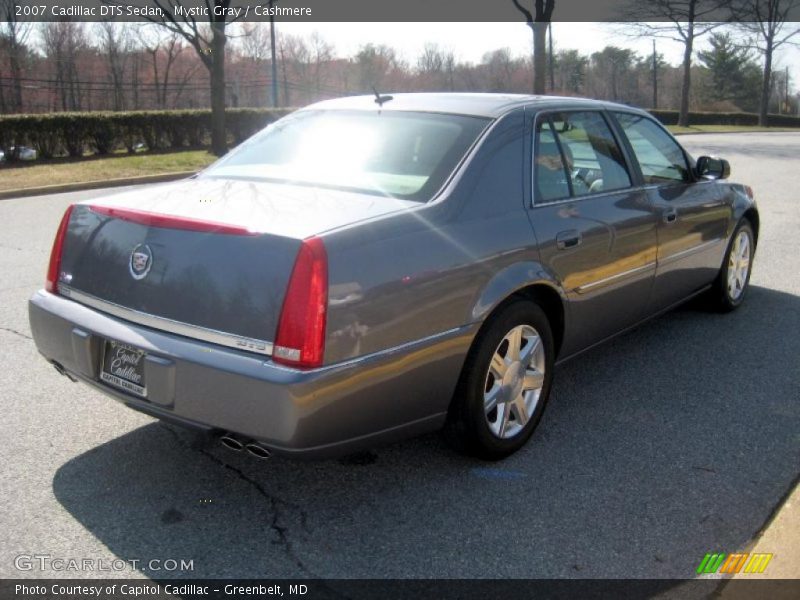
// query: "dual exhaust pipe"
[[230, 440], [233, 442]]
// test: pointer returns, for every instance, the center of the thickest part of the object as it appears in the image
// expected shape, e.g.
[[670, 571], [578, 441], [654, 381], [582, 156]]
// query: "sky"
[[469, 41]]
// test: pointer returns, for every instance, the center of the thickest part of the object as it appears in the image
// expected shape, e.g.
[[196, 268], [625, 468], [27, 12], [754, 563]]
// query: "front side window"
[[405, 155], [590, 157], [659, 156]]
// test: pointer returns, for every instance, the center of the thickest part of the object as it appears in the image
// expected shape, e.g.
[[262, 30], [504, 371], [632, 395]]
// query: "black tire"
[[720, 296], [468, 428]]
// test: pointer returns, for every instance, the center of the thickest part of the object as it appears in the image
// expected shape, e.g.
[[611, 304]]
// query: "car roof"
[[474, 104]]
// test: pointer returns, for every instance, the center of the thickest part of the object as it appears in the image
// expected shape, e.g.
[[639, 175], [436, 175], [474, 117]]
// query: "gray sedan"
[[367, 269]]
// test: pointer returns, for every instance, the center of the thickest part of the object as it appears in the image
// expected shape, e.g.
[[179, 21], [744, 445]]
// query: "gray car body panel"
[[335, 409], [410, 285], [230, 283]]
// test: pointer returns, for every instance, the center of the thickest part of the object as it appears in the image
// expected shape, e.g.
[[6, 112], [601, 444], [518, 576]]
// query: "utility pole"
[[533, 60], [786, 88], [274, 65], [550, 57], [655, 76]]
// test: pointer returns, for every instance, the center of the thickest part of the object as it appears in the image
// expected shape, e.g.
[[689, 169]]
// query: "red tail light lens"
[[54, 268], [300, 340]]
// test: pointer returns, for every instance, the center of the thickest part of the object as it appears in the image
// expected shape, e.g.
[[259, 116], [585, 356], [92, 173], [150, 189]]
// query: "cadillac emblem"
[[140, 262]]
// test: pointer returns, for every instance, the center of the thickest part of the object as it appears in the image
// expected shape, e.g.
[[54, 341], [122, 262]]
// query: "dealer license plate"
[[123, 368]]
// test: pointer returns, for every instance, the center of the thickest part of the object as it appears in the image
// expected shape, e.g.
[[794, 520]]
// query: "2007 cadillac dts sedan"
[[371, 268]]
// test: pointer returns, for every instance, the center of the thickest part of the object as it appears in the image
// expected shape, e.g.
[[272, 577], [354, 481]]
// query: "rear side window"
[[659, 156], [550, 173], [590, 155]]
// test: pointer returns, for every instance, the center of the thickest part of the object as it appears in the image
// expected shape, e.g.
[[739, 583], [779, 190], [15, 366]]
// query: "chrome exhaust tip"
[[231, 442], [62, 371], [258, 450]]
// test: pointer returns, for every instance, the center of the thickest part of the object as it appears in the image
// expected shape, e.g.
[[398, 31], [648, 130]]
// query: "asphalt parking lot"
[[674, 440]]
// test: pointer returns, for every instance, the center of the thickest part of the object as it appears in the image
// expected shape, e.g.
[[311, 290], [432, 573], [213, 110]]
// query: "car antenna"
[[379, 100]]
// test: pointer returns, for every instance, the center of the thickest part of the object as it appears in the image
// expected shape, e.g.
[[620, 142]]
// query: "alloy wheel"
[[514, 381], [738, 265]]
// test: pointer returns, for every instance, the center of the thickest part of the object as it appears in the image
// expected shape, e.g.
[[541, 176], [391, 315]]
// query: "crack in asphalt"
[[274, 501], [15, 332], [17, 248], [31, 286]]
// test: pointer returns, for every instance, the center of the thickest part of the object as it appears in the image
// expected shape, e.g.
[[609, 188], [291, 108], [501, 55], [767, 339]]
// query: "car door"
[[693, 216], [595, 227]]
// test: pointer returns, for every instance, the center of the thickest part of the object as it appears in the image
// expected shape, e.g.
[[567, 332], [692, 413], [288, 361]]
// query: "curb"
[[776, 130], [778, 537], [92, 185]]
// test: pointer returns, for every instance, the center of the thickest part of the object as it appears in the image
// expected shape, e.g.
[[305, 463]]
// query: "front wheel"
[[731, 286], [505, 383]]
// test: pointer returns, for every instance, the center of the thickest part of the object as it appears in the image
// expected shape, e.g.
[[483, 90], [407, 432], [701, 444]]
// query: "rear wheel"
[[505, 383], [731, 286]]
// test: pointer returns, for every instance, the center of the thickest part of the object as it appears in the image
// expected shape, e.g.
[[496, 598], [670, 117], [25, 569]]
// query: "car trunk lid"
[[213, 255]]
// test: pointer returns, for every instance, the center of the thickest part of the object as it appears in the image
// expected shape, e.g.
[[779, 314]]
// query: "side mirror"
[[711, 167]]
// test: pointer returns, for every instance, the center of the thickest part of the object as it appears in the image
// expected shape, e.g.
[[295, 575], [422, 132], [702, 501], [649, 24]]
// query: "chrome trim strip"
[[163, 324], [594, 196], [378, 354], [588, 286], [689, 251]]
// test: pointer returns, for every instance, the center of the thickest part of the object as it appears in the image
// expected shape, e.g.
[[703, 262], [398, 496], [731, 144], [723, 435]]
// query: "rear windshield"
[[400, 154]]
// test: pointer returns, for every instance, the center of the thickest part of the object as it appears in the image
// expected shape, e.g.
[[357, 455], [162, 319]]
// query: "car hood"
[[287, 210]]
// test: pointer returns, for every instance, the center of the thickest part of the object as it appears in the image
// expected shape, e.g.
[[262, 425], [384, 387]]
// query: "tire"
[[730, 287], [518, 383]]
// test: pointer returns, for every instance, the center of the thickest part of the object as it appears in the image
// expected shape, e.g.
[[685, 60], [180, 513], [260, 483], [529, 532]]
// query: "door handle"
[[670, 215], [568, 239]]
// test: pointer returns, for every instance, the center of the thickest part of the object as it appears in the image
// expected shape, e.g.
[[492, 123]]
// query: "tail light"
[[54, 268], [749, 191], [300, 339]]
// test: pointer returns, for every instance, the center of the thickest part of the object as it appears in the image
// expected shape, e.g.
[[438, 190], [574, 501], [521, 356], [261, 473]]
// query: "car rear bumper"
[[317, 413]]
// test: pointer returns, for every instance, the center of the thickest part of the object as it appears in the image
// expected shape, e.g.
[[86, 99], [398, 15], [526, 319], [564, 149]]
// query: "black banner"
[[348, 10], [404, 589]]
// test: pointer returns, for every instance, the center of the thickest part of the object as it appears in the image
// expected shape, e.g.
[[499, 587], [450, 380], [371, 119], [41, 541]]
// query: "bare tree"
[[436, 66], [164, 52], [255, 41], [683, 21], [134, 77], [62, 42], [320, 55], [501, 67], [282, 49], [258, 43], [431, 61], [375, 63], [209, 39], [295, 58], [116, 44], [768, 23], [538, 22], [13, 35]]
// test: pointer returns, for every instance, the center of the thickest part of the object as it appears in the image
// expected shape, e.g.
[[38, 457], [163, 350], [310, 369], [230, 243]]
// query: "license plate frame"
[[122, 367]]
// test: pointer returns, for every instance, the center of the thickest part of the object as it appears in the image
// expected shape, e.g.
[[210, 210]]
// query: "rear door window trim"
[[633, 174]]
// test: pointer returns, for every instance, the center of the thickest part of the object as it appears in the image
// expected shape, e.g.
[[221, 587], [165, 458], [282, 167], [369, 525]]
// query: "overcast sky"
[[469, 41]]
